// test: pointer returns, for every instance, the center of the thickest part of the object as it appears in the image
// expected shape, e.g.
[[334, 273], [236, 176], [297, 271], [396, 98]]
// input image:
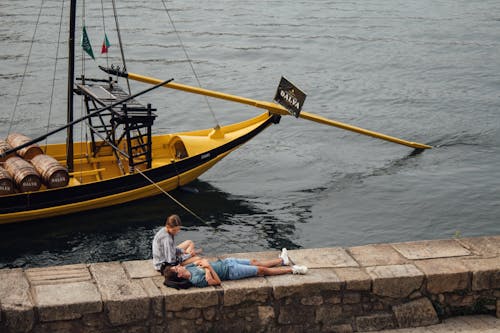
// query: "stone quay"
[[356, 289]]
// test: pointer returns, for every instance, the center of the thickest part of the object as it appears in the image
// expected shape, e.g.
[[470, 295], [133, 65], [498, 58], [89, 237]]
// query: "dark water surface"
[[425, 71]]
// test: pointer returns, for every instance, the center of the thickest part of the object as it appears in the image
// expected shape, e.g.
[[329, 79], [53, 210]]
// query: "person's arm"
[[210, 275], [158, 257], [169, 250]]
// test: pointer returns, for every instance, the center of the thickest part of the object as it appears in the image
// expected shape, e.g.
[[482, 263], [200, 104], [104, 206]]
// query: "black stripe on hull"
[[75, 194]]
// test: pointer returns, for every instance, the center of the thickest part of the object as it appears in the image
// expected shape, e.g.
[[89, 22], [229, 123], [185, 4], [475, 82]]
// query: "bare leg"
[[266, 263], [267, 271], [187, 246]]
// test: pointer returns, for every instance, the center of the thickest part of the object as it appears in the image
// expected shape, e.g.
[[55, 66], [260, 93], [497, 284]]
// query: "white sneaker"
[[297, 269], [284, 257]]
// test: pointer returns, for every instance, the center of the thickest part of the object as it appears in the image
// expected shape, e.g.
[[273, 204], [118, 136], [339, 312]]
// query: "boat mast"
[[71, 79]]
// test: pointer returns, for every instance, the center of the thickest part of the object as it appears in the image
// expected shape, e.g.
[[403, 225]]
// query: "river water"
[[426, 71]]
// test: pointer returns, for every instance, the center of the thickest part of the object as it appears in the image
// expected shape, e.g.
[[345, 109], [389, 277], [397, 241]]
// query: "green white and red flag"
[[105, 44]]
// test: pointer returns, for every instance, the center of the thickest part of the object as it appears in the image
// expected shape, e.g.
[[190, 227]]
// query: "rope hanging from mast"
[[189, 60], [113, 146], [25, 67], [120, 43], [56, 58], [104, 28]]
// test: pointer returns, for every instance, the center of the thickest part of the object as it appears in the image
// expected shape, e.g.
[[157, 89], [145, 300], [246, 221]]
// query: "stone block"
[[60, 327], [266, 315], [485, 273], [431, 249], [483, 246], [184, 326], [255, 289], [314, 282], [395, 281], [329, 314], [460, 301], [354, 278], [189, 314], [342, 328], [315, 300], [444, 275], [351, 298], [94, 322], [375, 322], [177, 300], [210, 314], [334, 299], [65, 301], [352, 310], [292, 314], [241, 319], [15, 301], [376, 255], [155, 295], [415, 313], [138, 269], [323, 258], [58, 274], [125, 300]]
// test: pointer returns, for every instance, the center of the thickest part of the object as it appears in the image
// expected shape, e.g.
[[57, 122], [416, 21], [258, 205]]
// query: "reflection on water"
[[125, 232]]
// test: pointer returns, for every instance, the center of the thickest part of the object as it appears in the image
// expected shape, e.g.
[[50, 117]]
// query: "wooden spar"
[[326, 121], [275, 108]]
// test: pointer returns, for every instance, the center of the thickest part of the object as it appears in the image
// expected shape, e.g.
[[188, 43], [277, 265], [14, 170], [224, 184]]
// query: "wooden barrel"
[[4, 146], [53, 173], [25, 176], [6, 182], [16, 139]]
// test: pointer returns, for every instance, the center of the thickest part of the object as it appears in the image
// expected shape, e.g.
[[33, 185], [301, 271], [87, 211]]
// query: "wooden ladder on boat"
[[130, 122]]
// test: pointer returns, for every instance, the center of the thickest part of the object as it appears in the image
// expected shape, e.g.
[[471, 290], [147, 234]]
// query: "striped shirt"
[[164, 249]]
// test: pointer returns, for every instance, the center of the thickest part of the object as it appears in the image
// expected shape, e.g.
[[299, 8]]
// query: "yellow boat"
[[123, 161], [98, 181]]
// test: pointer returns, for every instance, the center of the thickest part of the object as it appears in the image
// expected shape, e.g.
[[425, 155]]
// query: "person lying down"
[[203, 273]]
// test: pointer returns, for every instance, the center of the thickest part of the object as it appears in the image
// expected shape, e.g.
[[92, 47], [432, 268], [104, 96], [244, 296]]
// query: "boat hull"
[[206, 149]]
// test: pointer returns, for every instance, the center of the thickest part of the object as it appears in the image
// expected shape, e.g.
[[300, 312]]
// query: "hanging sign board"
[[289, 96]]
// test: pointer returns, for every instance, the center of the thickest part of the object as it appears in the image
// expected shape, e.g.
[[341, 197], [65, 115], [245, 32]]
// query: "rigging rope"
[[145, 176], [116, 149], [189, 60], [120, 43], [104, 28], [55, 69], [83, 145], [25, 67]]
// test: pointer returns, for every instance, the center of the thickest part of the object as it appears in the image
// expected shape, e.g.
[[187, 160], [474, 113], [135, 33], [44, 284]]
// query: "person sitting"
[[165, 253], [203, 273]]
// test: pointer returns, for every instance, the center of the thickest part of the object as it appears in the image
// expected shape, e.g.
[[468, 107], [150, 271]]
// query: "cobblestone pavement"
[[466, 324]]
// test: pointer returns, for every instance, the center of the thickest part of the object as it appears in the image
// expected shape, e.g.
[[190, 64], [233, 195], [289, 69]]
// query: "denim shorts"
[[240, 268]]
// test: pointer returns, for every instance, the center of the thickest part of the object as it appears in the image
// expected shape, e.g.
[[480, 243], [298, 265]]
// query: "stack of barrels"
[[27, 170]]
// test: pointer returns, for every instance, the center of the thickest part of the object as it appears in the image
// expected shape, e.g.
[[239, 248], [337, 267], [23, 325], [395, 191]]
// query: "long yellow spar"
[[271, 107]]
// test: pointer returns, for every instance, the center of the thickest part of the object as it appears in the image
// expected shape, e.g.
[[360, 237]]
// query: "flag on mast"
[[105, 44], [87, 47]]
